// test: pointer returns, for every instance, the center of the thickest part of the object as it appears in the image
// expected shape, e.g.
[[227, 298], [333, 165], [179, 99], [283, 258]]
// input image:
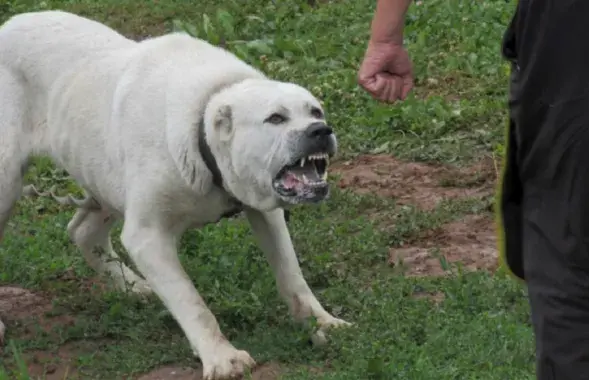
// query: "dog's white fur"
[[121, 117]]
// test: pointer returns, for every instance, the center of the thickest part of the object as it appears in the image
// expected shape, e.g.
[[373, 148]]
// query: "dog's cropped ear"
[[224, 123]]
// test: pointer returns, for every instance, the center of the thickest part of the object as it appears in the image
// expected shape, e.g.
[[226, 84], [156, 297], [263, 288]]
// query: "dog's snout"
[[318, 130], [319, 137]]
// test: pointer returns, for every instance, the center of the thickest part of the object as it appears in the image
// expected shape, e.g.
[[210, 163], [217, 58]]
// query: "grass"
[[480, 330]]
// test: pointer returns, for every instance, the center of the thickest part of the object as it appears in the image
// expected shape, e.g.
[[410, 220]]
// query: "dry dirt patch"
[[53, 365], [472, 242], [30, 310], [422, 185], [268, 371]]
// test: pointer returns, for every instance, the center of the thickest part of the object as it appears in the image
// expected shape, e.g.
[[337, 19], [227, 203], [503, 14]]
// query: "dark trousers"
[[544, 193]]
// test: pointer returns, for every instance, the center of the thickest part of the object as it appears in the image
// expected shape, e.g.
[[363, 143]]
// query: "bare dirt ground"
[[269, 371], [470, 241], [422, 185], [31, 311]]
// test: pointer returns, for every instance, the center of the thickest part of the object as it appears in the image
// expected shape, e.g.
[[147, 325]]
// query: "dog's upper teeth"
[[302, 162], [318, 156]]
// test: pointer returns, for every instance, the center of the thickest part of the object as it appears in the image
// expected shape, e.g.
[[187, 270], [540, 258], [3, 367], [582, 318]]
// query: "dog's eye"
[[275, 118], [316, 113]]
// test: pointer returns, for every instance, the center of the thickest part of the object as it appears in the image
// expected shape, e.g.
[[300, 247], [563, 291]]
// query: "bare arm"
[[386, 71], [389, 20]]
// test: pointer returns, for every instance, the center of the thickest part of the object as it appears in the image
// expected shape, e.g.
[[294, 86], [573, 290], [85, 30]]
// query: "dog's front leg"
[[272, 233], [153, 249]]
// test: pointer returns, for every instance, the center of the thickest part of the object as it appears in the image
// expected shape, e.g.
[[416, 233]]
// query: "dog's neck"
[[208, 157], [209, 160]]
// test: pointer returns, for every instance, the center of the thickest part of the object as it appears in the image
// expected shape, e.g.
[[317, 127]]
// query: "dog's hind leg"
[[2, 331], [14, 148], [11, 173], [90, 230], [10, 187]]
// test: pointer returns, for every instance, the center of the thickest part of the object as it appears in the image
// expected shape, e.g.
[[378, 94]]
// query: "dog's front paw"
[[127, 280], [319, 337], [141, 287], [332, 322], [226, 362]]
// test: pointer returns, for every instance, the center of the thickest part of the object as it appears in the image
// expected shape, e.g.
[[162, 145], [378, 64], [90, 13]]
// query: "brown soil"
[[268, 371], [470, 242], [53, 365], [26, 309], [30, 310], [422, 185]]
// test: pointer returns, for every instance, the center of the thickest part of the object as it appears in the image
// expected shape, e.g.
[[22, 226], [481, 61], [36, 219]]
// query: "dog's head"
[[272, 143]]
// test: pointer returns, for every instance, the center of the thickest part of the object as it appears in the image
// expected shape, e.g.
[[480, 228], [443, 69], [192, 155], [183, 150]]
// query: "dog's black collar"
[[207, 156], [211, 163]]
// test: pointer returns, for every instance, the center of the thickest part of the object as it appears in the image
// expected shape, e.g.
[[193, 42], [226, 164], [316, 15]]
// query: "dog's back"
[[74, 90], [40, 46], [36, 50]]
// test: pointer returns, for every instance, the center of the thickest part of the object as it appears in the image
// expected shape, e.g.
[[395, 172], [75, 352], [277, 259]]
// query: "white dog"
[[167, 134]]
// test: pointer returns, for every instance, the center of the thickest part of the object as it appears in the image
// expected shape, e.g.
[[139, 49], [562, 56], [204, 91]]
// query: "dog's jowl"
[[166, 134]]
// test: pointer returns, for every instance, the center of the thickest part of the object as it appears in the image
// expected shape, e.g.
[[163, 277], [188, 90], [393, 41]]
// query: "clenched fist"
[[386, 71]]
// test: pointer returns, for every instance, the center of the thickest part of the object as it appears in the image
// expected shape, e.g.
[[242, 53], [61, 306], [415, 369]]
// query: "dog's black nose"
[[318, 130]]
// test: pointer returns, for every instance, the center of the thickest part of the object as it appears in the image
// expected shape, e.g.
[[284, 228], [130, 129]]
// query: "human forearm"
[[389, 20]]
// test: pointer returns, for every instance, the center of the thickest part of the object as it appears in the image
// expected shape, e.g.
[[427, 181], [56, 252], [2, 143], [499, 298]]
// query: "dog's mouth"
[[305, 180]]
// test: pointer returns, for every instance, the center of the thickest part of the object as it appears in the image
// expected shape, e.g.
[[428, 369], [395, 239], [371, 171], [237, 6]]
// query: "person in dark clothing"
[[543, 196]]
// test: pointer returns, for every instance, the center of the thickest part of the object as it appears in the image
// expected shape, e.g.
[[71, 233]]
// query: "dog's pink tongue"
[[291, 181]]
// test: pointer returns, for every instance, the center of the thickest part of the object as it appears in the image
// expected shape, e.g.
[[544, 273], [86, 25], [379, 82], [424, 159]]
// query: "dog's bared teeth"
[[303, 162], [305, 179], [318, 156], [324, 176]]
